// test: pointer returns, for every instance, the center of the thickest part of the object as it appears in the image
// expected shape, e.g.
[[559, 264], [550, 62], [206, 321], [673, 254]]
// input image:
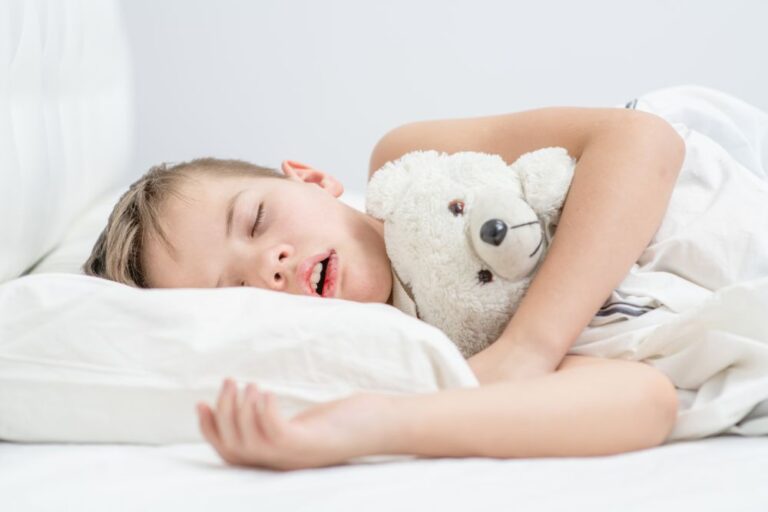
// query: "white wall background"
[[321, 81]]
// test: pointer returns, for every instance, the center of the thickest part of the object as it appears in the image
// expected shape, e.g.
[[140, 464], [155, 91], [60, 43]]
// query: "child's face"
[[302, 223]]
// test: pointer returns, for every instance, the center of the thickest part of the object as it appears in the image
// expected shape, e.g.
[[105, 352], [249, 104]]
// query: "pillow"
[[66, 131], [76, 244], [84, 359]]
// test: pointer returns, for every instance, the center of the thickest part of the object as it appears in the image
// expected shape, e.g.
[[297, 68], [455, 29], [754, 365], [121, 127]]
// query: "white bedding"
[[724, 473], [706, 269]]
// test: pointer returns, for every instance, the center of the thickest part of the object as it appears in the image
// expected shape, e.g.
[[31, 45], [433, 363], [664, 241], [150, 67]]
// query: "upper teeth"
[[315, 277]]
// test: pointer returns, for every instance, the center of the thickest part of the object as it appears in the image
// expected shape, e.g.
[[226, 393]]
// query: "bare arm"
[[508, 135], [589, 406], [616, 202], [628, 163]]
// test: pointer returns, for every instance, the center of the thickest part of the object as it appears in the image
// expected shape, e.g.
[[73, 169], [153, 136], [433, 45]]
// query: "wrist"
[[535, 353], [387, 412]]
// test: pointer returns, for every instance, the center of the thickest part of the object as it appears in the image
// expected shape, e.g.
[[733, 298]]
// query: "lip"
[[304, 272]]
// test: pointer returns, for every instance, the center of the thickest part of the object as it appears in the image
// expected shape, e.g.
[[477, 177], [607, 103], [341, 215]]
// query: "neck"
[[376, 224], [378, 227]]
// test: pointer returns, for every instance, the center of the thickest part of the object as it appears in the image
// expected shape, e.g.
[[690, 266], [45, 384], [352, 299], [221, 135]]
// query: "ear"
[[298, 171], [545, 175]]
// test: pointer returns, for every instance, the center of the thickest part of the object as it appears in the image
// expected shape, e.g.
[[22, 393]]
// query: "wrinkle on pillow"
[[84, 359]]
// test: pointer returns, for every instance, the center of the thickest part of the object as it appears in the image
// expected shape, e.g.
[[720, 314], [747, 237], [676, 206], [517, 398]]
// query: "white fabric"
[[714, 235], [65, 119], [716, 354], [715, 229], [90, 360], [75, 247], [711, 475]]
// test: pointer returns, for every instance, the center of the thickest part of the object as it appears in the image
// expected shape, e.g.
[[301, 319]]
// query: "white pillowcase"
[[66, 120], [84, 359]]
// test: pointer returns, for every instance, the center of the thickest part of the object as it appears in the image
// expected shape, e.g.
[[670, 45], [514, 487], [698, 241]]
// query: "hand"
[[505, 361], [249, 430]]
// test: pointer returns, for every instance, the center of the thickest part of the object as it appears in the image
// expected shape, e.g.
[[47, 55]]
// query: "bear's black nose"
[[493, 231]]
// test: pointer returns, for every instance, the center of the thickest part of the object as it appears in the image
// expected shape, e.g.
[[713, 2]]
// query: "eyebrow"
[[230, 214]]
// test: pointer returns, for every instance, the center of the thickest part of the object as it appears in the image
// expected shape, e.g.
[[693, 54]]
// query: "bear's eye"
[[485, 276], [456, 207]]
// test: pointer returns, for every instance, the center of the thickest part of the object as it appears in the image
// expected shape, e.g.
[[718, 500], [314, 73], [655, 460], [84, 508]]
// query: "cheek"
[[332, 223], [302, 226], [319, 223]]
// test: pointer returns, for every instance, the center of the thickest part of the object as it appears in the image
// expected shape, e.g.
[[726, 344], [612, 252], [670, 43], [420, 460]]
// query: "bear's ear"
[[384, 189], [389, 184], [545, 176]]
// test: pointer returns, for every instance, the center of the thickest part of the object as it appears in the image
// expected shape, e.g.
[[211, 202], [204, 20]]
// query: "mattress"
[[715, 474]]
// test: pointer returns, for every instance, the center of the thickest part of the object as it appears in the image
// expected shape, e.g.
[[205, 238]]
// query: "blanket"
[[703, 279]]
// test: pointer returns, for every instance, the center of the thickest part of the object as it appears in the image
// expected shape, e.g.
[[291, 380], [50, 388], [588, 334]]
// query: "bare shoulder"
[[509, 135]]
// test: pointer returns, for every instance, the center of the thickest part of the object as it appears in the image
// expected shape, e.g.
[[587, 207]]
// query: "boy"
[[213, 223]]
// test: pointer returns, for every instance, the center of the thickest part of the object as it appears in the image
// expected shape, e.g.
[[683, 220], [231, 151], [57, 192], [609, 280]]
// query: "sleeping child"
[[221, 223]]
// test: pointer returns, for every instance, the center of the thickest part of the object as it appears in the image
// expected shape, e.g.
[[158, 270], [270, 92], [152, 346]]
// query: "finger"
[[271, 421], [210, 432], [207, 424], [258, 413], [225, 416], [249, 429]]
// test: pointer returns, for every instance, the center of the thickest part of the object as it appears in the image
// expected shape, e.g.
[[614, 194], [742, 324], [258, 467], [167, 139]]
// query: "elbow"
[[397, 142], [648, 410], [378, 156], [668, 144], [660, 406], [388, 148]]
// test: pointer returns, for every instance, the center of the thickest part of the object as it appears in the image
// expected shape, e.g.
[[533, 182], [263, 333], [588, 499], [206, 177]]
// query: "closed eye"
[[259, 216]]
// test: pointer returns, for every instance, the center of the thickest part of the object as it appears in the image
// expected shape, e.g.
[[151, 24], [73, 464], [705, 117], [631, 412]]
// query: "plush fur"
[[445, 252]]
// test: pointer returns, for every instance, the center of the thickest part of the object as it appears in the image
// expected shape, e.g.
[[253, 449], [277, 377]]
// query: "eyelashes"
[[258, 219]]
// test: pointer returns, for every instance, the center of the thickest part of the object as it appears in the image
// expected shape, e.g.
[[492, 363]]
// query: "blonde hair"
[[117, 253]]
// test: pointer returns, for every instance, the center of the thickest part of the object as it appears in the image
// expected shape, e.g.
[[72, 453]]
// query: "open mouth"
[[319, 274], [322, 280]]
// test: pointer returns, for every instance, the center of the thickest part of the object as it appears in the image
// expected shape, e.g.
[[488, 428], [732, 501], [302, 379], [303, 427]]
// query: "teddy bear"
[[466, 232]]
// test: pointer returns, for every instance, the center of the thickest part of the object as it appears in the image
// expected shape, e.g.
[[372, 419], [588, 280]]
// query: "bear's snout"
[[493, 231]]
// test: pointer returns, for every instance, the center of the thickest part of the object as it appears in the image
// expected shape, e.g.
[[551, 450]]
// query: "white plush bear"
[[466, 233]]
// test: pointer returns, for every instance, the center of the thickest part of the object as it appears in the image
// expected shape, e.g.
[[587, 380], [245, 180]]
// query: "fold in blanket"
[[716, 354]]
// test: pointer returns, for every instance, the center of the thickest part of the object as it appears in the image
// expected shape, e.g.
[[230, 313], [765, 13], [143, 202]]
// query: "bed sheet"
[[722, 473]]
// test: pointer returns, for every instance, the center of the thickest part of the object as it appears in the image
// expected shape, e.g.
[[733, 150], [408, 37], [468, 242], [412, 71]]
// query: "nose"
[[493, 231], [274, 268]]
